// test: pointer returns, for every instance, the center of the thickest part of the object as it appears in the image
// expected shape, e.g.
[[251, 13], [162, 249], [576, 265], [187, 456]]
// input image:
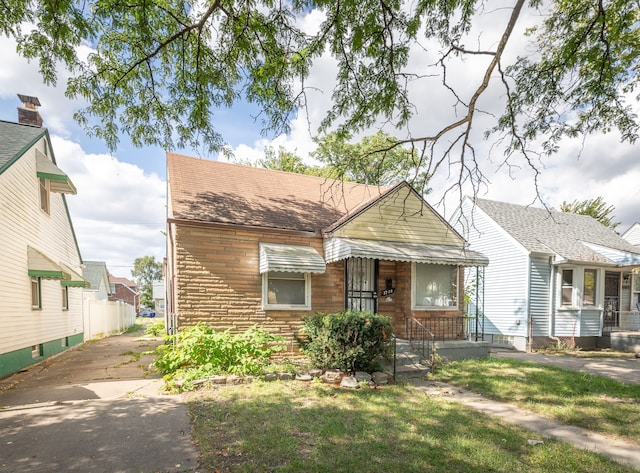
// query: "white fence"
[[104, 318]]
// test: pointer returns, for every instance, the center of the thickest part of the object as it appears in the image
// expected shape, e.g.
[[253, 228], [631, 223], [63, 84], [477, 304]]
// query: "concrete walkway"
[[94, 408], [625, 370], [622, 369], [623, 452]]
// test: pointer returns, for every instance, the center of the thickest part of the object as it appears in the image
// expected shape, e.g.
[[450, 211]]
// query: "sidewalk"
[[623, 370], [94, 408]]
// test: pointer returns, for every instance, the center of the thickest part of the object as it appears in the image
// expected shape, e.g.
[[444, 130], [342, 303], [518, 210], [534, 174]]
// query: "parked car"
[[145, 313]]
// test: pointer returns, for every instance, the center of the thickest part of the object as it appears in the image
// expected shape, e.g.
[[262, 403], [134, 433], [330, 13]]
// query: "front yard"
[[312, 427], [591, 402]]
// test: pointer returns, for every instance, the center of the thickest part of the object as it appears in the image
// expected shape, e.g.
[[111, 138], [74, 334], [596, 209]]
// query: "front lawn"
[[592, 402], [312, 427]]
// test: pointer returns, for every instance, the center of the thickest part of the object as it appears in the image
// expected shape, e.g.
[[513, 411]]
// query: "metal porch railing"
[[421, 339]]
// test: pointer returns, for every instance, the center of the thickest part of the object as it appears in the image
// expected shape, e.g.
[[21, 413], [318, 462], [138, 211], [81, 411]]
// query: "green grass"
[[300, 427], [592, 402]]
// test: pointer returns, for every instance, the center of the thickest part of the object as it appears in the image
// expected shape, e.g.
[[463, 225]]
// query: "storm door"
[[611, 299], [361, 284]]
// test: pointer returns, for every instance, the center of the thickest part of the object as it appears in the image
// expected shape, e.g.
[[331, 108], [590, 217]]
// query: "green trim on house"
[[41, 273], [74, 283], [16, 360]]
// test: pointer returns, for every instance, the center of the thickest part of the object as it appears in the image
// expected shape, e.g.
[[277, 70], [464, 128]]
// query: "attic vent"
[[28, 113]]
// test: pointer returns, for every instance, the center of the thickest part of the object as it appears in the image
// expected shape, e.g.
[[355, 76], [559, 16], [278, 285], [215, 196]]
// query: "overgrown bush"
[[349, 341], [155, 329], [201, 351]]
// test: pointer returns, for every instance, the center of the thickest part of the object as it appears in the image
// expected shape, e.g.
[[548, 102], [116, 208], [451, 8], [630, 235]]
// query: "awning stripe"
[[290, 258], [336, 249], [58, 180], [75, 279], [40, 266]]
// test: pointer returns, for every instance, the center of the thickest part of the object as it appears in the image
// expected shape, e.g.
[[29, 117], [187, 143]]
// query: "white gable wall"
[[632, 235], [506, 278], [24, 224]]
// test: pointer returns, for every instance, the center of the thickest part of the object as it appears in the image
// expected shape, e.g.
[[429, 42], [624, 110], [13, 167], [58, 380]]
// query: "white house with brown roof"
[[40, 264], [253, 246], [553, 275]]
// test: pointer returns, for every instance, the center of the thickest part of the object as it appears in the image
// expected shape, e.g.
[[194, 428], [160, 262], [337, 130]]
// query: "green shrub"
[[349, 341], [155, 329], [201, 351]]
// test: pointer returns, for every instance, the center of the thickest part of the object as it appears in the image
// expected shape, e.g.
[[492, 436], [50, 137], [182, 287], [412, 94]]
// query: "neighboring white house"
[[40, 282], [96, 273], [551, 275], [632, 235], [158, 298]]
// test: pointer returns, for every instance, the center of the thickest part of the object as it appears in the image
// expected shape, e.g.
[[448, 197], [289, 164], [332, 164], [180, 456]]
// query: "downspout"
[[552, 294]]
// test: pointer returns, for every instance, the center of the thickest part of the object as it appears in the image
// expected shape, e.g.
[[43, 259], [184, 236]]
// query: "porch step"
[[409, 364]]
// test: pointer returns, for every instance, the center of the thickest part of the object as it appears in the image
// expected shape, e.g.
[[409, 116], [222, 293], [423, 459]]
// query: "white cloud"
[[119, 211]]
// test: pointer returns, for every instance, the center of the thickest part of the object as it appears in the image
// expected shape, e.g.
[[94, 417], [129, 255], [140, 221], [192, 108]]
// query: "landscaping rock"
[[233, 379], [304, 377], [315, 372], [349, 382], [218, 380], [270, 377], [285, 376], [380, 378], [363, 377], [331, 376], [248, 379]]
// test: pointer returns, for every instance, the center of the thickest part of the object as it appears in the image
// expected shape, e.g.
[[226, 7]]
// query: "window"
[[435, 286], [284, 290], [36, 351], [44, 195], [567, 287], [589, 287], [65, 297], [36, 300]]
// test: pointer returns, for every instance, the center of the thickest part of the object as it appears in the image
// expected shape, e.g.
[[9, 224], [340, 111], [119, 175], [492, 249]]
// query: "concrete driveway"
[[94, 408]]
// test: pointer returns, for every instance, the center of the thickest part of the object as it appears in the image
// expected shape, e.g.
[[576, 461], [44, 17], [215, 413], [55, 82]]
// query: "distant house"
[[124, 290], [632, 235], [40, 281], [96, 273], [553, 276], [158, 298], [251, 246]]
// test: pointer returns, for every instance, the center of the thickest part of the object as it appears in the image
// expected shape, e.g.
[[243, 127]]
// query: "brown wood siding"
[[218, 281]]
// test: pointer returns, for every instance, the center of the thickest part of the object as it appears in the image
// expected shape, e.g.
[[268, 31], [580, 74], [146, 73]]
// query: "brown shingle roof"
[[124, 281], [213, 191]]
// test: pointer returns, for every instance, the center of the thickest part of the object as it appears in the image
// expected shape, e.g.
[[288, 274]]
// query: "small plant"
[[200, 351], [155, 329], [349, 340]]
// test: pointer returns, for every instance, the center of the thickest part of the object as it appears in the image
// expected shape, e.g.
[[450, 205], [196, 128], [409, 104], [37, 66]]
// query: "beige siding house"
[[40, 279], [251, 246]]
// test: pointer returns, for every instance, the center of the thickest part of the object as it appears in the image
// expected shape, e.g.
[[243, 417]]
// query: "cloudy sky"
[[119, 212]]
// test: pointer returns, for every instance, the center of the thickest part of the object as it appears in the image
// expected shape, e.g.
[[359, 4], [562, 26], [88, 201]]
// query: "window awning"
[[58, 181], [40, 266], [336, 249], [75, 280], [290, 258]]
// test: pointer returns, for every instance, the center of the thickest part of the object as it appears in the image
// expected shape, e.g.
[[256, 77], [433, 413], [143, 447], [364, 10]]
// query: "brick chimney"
[[28, 113]]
